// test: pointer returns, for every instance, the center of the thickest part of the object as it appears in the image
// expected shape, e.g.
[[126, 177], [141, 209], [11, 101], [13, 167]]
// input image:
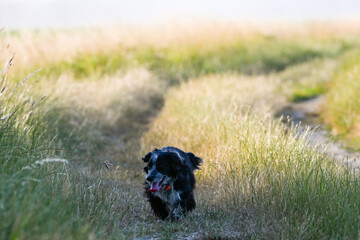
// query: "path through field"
[[306, 114], [237, 89], [219, 94], [172, 122]]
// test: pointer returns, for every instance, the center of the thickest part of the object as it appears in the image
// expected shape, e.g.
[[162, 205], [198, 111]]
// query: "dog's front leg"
[[176, 208], [177, 212]]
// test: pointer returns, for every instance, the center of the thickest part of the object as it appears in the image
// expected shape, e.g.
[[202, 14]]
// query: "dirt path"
[[307, 113]]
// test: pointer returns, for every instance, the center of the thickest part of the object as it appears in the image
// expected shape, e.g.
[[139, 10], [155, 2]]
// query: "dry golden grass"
[[93, 119], [342, 109], [208, 107], [258, 179], [252, 165], [40, 47], [109, 97]]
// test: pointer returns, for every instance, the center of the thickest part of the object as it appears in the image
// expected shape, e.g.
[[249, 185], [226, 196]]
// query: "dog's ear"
[[195, 161], [147, 157]]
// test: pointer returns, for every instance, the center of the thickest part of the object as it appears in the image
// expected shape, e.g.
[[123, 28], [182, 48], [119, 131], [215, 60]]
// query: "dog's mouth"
[[155, 186]]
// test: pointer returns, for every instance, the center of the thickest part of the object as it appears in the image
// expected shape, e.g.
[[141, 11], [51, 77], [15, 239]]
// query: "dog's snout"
[[150, 178]]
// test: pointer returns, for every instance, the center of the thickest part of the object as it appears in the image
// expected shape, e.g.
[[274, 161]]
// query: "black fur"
[[170, 166]]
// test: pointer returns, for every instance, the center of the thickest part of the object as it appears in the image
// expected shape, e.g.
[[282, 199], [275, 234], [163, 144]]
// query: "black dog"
[[170, 181]]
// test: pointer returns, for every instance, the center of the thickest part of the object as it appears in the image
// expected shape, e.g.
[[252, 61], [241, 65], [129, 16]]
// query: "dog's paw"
[[177, 214], [174, 218]]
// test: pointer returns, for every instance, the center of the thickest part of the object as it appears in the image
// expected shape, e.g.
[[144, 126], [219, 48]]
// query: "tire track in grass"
[[305, 114]]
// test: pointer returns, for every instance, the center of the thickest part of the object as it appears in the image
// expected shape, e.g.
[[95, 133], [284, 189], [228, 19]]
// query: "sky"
[[76, 13]]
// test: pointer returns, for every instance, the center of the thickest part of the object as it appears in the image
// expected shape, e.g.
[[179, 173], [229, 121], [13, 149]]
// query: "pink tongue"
[[154, 187]]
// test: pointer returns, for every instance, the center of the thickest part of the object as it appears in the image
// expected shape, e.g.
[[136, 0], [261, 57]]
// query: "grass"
[[307, 80], [306, 92], [288, 189], [87, 116], [342, 112], [175, 61], [54, 199], [217, 87], [34, 197]]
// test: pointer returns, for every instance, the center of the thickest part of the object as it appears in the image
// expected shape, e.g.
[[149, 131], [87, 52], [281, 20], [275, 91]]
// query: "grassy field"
[[115, 94], [342, 113]]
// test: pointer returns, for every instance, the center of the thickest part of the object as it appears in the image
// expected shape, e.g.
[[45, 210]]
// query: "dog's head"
[[162, 168]]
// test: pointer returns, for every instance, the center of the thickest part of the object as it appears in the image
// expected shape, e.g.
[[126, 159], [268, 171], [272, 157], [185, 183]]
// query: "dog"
[[170, 181]]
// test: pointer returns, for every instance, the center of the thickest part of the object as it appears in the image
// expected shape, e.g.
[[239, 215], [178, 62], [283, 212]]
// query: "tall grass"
[[252, 162], [307, 80], [41, 197], [253, 55], [25, 190], [196, 51], [104, 87], [342, 111], [90, 116]]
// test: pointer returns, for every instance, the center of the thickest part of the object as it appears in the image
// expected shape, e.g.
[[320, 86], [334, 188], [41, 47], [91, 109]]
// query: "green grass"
[[258, 181], [307, 80], [23, 190], [288, 189], [173, 64], [342, 111], [55, 200], [307, 92]]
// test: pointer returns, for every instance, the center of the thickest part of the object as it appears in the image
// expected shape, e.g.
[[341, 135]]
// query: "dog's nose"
[[150, 178]]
